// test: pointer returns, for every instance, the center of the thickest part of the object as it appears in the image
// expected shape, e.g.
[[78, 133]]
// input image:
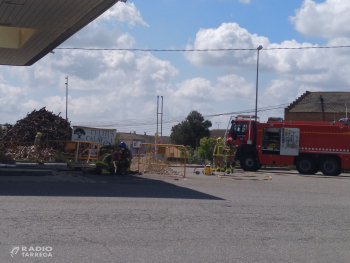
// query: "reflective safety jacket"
[[125, 155], [218, 150], [104, 160], [37, 143], [230, 150]]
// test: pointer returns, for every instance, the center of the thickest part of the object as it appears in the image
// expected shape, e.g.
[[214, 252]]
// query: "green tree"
[[206, 148], [187, 151], [190, 156], [190, 150], [193, 128]]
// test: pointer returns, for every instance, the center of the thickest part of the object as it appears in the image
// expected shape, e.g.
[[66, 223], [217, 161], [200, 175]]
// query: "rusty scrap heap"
[[52, 127]]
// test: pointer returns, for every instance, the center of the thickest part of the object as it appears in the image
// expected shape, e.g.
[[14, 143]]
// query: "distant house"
[[318, 106], [173, 155], [216, 133], [134, 140]]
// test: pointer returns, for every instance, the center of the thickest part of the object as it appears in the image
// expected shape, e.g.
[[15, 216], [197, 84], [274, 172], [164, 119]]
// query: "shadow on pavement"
[[127, 186]]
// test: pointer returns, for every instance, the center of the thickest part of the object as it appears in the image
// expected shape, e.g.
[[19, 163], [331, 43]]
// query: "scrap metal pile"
[[28, 153], [22, 134], [52, 127]]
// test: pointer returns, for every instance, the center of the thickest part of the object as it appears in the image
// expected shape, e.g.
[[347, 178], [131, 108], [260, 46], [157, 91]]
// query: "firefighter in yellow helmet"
[[230, 150], [37, 147], [218, 156]]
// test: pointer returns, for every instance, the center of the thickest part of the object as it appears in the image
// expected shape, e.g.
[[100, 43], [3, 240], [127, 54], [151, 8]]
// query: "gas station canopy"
[[30, 29]]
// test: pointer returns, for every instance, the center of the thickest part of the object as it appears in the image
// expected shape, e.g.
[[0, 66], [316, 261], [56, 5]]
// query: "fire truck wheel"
[[248, 163], [306, 165], [330, 166]]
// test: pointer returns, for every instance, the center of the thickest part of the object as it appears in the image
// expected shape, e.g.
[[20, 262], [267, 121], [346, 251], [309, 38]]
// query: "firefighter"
[[230, 150], [37, 147], [105, 164], [124, 162], [218, 156]]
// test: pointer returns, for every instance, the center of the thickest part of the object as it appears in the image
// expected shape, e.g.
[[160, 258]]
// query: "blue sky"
[[119, 88]]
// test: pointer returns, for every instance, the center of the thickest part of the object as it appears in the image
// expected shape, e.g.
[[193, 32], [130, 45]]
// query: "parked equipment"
[[310, 146], [208, 170]]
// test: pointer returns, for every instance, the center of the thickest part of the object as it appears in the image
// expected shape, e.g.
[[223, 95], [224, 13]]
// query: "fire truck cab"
[[310, 146]]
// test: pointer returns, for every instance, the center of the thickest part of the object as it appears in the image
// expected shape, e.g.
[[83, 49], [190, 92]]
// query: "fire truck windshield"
[[239, 128]]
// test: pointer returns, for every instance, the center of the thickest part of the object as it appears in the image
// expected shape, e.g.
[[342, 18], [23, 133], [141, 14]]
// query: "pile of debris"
[[149, 168], [52, 127], [28, 153]]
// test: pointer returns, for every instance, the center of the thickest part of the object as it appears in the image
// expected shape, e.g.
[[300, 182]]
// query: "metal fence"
[[162, 155], [71, 150]]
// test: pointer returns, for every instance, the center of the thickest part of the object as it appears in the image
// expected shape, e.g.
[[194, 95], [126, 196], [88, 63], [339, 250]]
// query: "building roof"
[[334, 102], [30, 29], [146, 138], [216, 133]]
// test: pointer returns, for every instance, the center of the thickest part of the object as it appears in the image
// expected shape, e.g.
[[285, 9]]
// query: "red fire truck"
[[310, 146]]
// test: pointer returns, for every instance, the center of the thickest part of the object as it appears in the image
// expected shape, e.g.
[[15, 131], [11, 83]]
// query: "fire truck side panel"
[[287, 160], [345, 161], [317, 140], [269, 159], [325, 140], [276, 159]]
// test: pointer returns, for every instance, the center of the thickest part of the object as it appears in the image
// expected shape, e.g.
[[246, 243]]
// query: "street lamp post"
[[66, 97], [257, 80]]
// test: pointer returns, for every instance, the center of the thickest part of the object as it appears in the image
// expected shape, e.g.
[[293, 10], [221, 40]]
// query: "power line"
[[132, 124], [196, 50]]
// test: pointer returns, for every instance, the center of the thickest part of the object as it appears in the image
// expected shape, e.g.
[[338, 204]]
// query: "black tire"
[[306, 165], [248, 163], [330, 166]]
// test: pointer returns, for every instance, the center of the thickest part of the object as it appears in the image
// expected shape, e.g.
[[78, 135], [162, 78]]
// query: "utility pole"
[[346, 111], [257, 82], [161, 117], [256, 96], [218, 124], [157, 112], [322, 105], [161, 124], [66, 97]]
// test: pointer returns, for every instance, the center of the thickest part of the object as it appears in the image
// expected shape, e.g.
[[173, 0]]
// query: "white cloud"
[[104, 84], [227, 36], [230, 86], [306, 63], [100, 37], [8, 97], [31, 105], [124, 12], [10, 102], [327, 20]]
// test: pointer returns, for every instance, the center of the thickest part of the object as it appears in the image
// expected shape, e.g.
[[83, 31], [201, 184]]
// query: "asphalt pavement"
[[273, 216]]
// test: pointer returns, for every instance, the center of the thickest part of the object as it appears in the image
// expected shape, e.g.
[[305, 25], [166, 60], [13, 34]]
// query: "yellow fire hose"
[[253, 177]]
